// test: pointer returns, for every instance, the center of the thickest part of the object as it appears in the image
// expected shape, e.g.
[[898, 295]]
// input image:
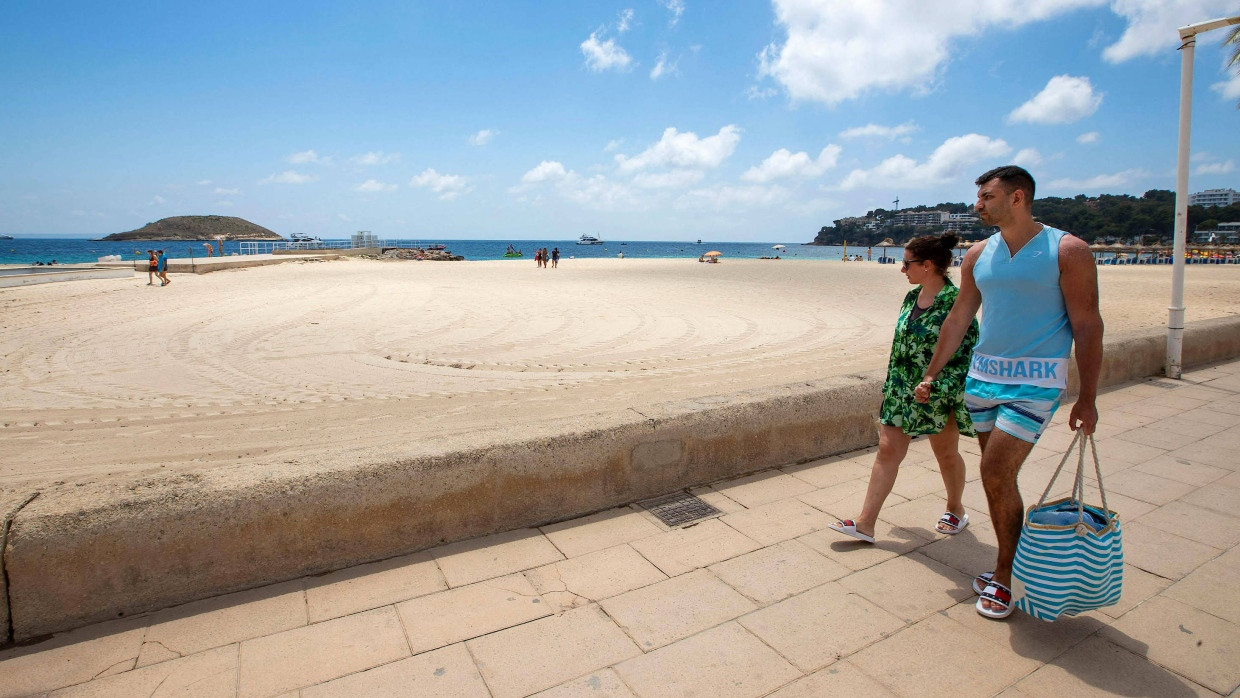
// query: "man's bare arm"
[[1078, 280], [956, 325]]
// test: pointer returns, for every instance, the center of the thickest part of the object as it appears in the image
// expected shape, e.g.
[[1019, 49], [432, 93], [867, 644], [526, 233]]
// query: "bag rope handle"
[[1078, 484]]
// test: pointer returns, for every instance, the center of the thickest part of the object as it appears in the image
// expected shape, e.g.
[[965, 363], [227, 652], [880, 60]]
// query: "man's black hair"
[[1012, 177]]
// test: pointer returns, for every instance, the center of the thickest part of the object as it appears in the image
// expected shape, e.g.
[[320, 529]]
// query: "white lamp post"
[[1175, 317]]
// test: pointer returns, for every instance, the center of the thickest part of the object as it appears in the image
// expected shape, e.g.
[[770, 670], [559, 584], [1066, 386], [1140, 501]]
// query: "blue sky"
[[640, 120]]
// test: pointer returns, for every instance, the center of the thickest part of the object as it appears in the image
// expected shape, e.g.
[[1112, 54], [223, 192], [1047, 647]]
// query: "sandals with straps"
[[996, 593]]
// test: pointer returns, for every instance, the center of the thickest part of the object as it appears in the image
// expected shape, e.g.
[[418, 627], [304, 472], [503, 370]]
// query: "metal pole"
[[1175, 314]]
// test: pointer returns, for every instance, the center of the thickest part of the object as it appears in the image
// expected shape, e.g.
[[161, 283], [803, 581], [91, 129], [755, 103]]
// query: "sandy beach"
[[111, 378]]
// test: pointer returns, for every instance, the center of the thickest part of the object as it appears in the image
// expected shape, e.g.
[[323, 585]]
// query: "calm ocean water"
[[70, 251]]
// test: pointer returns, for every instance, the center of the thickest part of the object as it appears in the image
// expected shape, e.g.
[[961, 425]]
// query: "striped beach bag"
[[1071, 556]]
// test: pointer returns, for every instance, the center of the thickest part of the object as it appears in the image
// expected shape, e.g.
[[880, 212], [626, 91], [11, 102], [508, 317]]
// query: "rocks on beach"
[[420, 254]]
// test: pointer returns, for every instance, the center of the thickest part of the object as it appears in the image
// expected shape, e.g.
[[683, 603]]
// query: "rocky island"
[[197, 228]]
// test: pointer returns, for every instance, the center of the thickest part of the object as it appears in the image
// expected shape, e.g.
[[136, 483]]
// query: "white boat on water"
[[6, 237], [589, 240]]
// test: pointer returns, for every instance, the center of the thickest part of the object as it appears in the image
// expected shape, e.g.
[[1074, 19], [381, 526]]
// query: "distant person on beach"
[[209, 249], [538, 257], [162, 271], [152, 266], [1039, 287], [901, 417], [555, 258], [219, 247]]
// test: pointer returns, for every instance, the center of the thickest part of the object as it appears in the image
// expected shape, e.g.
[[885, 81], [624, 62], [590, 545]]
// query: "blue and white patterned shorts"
[[1023, 411]]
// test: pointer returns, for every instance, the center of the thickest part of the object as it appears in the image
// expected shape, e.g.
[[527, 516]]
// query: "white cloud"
[[1152, 24], [288, 177], [482, 137], [1098, 182], [837, 50], [676, 7], [604, 55], [1064, 99], [877, 131], [1091, 137], [377, 157], [546, 171], [204, 182], [1027, 156], [1215, 168], [782, 164], [675, 179], [684, 150], [662, 67], [225, 203], [158, 200], [306, 157], [727, 197], [624, 20], [613, 145], [1229, 88], [947, 162], [755, 92], [226, 192], [448, 187], [373, 185]]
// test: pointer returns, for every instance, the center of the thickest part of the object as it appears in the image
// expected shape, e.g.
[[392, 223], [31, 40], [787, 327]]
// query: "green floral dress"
[[911, 351]]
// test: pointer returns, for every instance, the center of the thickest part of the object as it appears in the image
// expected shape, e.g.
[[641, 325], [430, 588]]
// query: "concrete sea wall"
[[78, 555]]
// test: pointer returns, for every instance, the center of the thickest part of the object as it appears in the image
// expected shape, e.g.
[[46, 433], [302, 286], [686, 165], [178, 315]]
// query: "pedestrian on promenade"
[[901, 417], [555, 258], [162, 271], [1039, 288], [152, 267]]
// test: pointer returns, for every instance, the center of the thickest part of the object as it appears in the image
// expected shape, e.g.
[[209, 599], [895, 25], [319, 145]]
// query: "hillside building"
[[1214, 197]]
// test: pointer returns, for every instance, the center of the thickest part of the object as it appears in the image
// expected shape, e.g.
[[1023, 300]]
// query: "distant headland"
[[197, 228]]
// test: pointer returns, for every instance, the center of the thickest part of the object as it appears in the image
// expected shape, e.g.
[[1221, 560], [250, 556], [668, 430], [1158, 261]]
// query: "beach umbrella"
[[713, 253], [885, 244]]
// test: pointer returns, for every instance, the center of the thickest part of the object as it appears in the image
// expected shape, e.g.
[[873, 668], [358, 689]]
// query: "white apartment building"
[[1214, 197], [920, 218]]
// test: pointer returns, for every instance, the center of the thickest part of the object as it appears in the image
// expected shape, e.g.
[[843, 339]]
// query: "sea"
[[30, 250]]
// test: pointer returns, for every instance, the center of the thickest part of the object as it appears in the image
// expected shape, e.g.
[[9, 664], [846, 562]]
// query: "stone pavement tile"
[[224, 620], [1220, 496], [778, 571], [829, 472], [1124, 420], [920, 515], [592, 577], [1138, 586], [838, 679], [1158, 437], [71, 658], [970, 552], [683, 549], [940, 657], [1148, 488], [841, 500], [663, 613], [1212, 587], [762, 488], [600, 684], [725, 661], [1210, 453], [458, 614], [302, 657], [206, 674], [1190, 642], [1227, 441], [1188, 424], [817, 627], [547, 652], [597, 531], [1163, 405], [911, 586], [1129, 509], [494, 556], [1232, 480], [778, 521], [1096, 667], [448, 671], [914, 481], [1119, 448], [1196, 523], [1209, 415], [1022, 635], [717, 500], [1162, 553], [372, 585], [890, 542]]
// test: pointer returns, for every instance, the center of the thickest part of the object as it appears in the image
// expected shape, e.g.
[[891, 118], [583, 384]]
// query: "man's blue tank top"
[[1025, 334]]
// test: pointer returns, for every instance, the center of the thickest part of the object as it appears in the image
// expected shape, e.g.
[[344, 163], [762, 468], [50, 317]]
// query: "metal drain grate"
[[679, 508]]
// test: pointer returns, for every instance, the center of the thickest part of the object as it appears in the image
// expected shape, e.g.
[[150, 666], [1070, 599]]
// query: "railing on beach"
[[272, 246]]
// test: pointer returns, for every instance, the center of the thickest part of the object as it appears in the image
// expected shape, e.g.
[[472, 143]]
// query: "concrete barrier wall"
[[84, 554], [67, 274]]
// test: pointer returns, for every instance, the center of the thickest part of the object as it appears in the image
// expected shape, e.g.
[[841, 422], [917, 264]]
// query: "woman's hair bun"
[[949, 240]]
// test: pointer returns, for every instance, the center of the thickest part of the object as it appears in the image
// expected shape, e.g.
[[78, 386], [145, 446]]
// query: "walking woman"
[[926, 263]]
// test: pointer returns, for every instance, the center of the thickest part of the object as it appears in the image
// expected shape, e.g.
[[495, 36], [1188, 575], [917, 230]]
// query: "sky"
[[548, 119]]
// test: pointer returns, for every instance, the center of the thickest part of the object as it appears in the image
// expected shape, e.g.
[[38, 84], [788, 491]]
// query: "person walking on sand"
[[901, 417], [162, 271], [555, 258], [1039, 288], [152, 267]]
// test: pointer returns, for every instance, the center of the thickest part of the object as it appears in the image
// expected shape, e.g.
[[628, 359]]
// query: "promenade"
[[760, 600]]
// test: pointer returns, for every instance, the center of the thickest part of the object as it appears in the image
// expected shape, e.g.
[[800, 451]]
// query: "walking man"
[[1039, 287]]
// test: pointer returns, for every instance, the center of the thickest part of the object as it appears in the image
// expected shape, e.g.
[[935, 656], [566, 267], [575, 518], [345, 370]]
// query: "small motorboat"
[[437, 246], [6, 237]]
